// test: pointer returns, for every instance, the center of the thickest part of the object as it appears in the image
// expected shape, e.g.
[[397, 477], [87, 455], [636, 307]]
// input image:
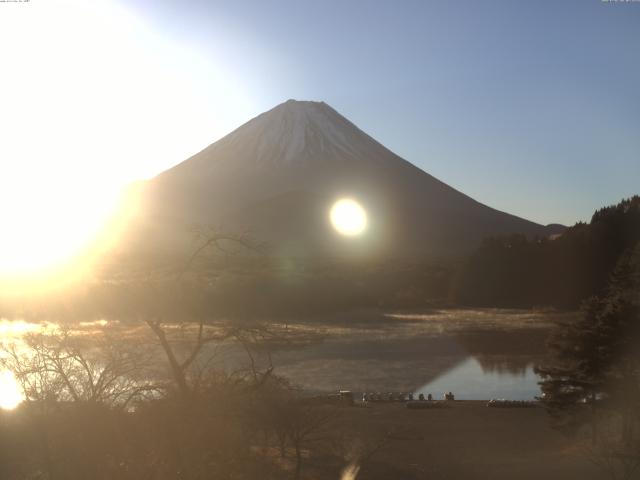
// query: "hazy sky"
[[532, 107], [529, 106]]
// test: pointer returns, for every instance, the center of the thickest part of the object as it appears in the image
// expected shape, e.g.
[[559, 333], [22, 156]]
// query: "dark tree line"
[[593, 376], [515, 271]]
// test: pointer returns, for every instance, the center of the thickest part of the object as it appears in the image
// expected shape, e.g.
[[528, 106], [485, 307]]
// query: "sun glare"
[[92, 100], [10, 394], [348, 217]]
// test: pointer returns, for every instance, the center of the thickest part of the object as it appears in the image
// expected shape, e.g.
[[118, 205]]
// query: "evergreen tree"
[[514, 271], [594, 375]]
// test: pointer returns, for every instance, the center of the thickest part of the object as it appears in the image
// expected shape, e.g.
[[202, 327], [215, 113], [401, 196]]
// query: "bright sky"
[[92, 98], [529, 107]]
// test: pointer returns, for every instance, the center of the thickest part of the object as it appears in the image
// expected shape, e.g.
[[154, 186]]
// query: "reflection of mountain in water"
[[505, 352], [505, 365], [469, 381], [499, 365], [382, 364], [526, 341]]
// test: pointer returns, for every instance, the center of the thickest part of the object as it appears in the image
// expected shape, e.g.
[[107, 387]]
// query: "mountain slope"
[[277, 176]]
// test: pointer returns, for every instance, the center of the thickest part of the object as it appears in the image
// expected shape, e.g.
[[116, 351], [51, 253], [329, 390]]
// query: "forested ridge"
[[515, 271]]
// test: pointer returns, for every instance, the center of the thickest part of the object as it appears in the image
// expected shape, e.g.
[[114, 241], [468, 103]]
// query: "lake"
[[475, 353], [470, 381]]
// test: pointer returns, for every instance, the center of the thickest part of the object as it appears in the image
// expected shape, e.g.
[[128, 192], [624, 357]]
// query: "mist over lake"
[[477, 353]]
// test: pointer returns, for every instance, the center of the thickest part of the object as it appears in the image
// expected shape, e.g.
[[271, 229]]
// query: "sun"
[[348, 217]]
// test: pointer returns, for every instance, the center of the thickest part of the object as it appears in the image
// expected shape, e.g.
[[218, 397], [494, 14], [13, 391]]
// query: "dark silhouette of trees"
[[58, 366], [98, 406], [77, 392], [180, 368], [306, 424], [594, 375], [515, 271]]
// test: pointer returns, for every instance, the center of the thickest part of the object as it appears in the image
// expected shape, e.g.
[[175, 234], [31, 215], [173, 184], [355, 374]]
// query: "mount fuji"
[[277, 176]]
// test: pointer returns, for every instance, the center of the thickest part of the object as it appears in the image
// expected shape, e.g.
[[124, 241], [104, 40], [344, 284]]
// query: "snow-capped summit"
[[295, 132], [298, 131], [277, 176]]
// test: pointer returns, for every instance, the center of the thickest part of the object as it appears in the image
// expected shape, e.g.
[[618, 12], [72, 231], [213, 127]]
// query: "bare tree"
[[190, 298], [58, 367], [180, 367], [307, 424], [78, 389]]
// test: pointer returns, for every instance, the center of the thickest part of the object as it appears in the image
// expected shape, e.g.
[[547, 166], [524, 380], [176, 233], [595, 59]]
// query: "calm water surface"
[[476, 354], [470, 381]]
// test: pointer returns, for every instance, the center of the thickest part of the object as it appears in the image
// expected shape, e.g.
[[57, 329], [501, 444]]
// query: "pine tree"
[[594, 373]]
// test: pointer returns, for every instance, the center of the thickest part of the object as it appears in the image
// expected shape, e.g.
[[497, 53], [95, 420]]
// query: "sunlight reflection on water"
[[16, 328], [10, 333], [10, 393]]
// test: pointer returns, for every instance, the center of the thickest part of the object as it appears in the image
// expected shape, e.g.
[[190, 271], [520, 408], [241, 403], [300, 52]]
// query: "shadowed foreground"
[[466, 440]]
